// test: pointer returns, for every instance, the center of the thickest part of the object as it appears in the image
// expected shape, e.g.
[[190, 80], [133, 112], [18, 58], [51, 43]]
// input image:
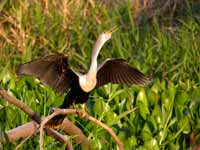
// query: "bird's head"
[[105, 36]]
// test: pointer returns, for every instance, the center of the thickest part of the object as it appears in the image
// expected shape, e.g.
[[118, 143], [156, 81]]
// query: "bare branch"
[[20, 105], [32, 114], [83, 115], [22, 142], [69, 128], [23, 131]]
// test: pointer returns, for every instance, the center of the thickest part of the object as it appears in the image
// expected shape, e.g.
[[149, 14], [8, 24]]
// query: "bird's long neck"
[[93, 66], [88, 81]]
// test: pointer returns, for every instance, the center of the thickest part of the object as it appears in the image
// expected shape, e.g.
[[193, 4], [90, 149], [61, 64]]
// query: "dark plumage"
[[117, 71], [52, 70]]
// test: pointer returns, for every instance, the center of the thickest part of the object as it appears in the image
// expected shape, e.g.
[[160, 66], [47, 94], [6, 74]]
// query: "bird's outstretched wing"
[[52, 70], [119, 72]]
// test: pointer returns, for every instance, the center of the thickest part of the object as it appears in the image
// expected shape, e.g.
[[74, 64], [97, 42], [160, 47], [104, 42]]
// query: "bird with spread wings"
[[54, 71]]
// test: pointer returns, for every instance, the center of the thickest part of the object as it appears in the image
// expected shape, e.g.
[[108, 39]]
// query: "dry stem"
[[33, 115], [17, 133], [82, 114]]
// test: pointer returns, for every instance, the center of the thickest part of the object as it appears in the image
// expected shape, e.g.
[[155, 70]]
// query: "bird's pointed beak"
[[112, 30]]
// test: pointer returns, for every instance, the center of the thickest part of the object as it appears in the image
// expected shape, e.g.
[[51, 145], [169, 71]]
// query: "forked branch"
[[18, 132], [66, 125], [58, 111], [32, 114]]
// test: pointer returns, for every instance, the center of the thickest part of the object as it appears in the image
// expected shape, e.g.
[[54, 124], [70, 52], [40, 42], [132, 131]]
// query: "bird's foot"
[[80, 111], [83, 111]]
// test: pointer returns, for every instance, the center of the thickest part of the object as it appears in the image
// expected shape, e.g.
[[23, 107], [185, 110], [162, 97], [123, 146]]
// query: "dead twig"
[[22, 143], [22, 131], [82, 114], [30, 128], [32, 114], [69, 128]]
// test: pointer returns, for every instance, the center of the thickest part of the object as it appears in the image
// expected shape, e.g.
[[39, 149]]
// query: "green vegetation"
[[168, 49]]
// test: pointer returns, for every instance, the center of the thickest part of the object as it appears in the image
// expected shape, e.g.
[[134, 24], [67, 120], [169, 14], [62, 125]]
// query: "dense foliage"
[[161, 116]]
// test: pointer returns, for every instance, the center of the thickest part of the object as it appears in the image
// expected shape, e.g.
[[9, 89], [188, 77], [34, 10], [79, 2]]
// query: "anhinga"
[[54, 71]]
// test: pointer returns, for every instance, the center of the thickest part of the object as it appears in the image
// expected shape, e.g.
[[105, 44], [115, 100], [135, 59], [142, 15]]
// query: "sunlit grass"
[[165, 113]]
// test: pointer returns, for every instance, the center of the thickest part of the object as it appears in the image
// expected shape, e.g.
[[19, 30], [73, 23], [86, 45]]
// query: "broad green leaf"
[[184, 125], [152, 144], [146, 133], [152, 97], [181, 98], [142, 103]]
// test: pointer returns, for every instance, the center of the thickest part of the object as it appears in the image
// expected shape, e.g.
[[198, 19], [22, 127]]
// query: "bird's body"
[[55, 71]]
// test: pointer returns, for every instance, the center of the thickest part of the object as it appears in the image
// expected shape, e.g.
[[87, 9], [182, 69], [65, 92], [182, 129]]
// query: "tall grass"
[[165, 113]]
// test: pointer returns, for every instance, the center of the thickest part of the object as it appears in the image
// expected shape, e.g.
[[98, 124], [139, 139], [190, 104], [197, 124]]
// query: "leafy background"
[[160, 38]]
